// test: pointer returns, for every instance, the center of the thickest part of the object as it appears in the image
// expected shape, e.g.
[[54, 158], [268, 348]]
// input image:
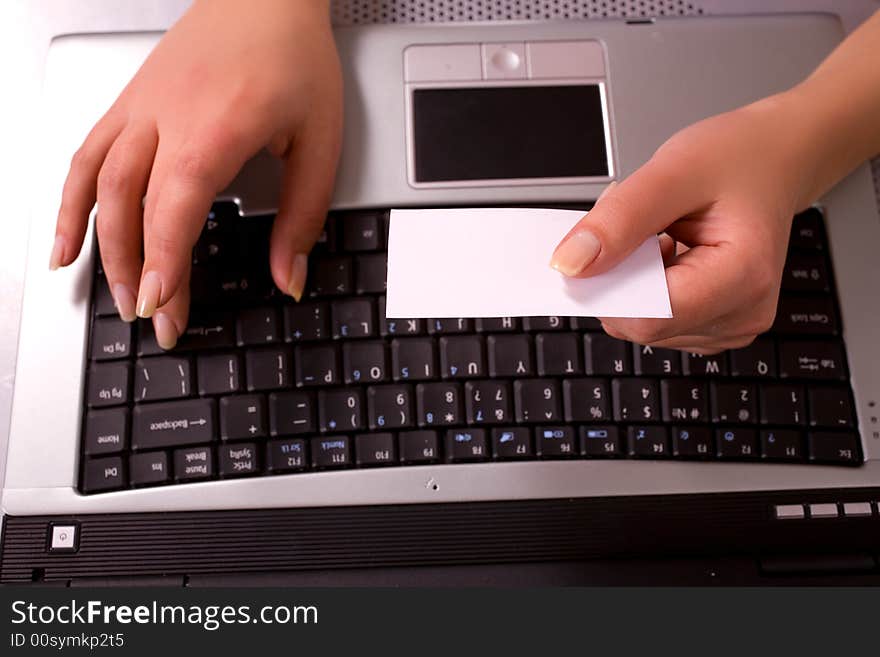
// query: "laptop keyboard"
[[260, 385]]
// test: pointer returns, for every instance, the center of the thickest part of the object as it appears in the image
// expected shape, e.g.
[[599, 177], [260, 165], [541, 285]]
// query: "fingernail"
[[124, 299], [57, 253], [577, 251], [297, 281], [166, 331], [611, 186], [148, 295]]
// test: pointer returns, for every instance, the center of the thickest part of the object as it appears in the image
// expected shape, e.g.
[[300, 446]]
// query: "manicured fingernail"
[[124, 299], [166, 331], [611, 186], [148, 294], [577, 251], [298, 270], [57, 253]]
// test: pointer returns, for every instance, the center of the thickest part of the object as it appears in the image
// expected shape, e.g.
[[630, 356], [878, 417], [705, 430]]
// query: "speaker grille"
[[354, 12]]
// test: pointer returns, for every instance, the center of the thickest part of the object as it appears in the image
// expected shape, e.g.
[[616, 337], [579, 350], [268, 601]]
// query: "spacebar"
[[170, 424]]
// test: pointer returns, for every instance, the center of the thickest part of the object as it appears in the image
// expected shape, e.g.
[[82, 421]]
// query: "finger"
[[652, 198], [189, 177], [706, 283], [668, 248], [169, 320], [122, 183], [307, 186], [699, 344], [79, 193]]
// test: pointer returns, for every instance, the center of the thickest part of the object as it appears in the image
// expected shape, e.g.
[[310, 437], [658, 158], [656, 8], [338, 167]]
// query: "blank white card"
[[494, 262]]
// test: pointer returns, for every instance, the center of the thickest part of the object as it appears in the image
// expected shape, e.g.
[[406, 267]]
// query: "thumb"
[[306, 189], [624, 216]]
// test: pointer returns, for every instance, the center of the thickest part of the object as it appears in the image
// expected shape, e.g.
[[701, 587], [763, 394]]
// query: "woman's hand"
[[725, 190], [231, 77]]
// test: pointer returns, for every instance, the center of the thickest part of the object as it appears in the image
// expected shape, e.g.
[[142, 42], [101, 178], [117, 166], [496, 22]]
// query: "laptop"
[[322, 442]]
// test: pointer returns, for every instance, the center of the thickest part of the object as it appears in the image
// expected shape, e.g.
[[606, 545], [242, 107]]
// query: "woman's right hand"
[[231, 77]]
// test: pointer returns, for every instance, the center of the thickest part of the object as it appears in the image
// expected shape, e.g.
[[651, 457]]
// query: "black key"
[[450, 325], [267, 369], [811, 360], [328, 239], [647, 442], [782, 444], [306, 321], [556, 442], [833, 447], [375, 449], [340, 410], [586, 400], [693, 443], [831, 407], [510, 355], [600, 441], [466, 445], [169, 424], [585, 324], [103, 474], [106, 431], [361, 231], [206, 330], [497, 324], [701, 365], [364, 362], [549, 323], [782, 404], [461, 357], [487, 402], [412, 359], [805, 272], [109, 384], [258, 326], [757, 360], [737, 443], [103, 299], [734, 403], [242, 417], [512, 443], [218, 374], [438, 404], [371, 272], [389, 407], [286, 455], [353, 318], [419, 447], [806, 315], [605, 355], [331, 277], [684, 400], [331, 452], [165, 377], [148, 468], [806, 230], [396, 326], [291, 413], [635, 400], [316, 365], [537, 400], [558, 354], [111, 339], [238, 460], [655, 361], [193, 463]]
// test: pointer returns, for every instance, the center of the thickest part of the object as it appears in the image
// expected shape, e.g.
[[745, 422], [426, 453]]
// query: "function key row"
[[477, 403], [292, 454]]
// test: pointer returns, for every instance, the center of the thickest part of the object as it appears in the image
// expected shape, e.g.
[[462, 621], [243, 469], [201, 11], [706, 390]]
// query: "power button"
[[504, 61], [63, 537]]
